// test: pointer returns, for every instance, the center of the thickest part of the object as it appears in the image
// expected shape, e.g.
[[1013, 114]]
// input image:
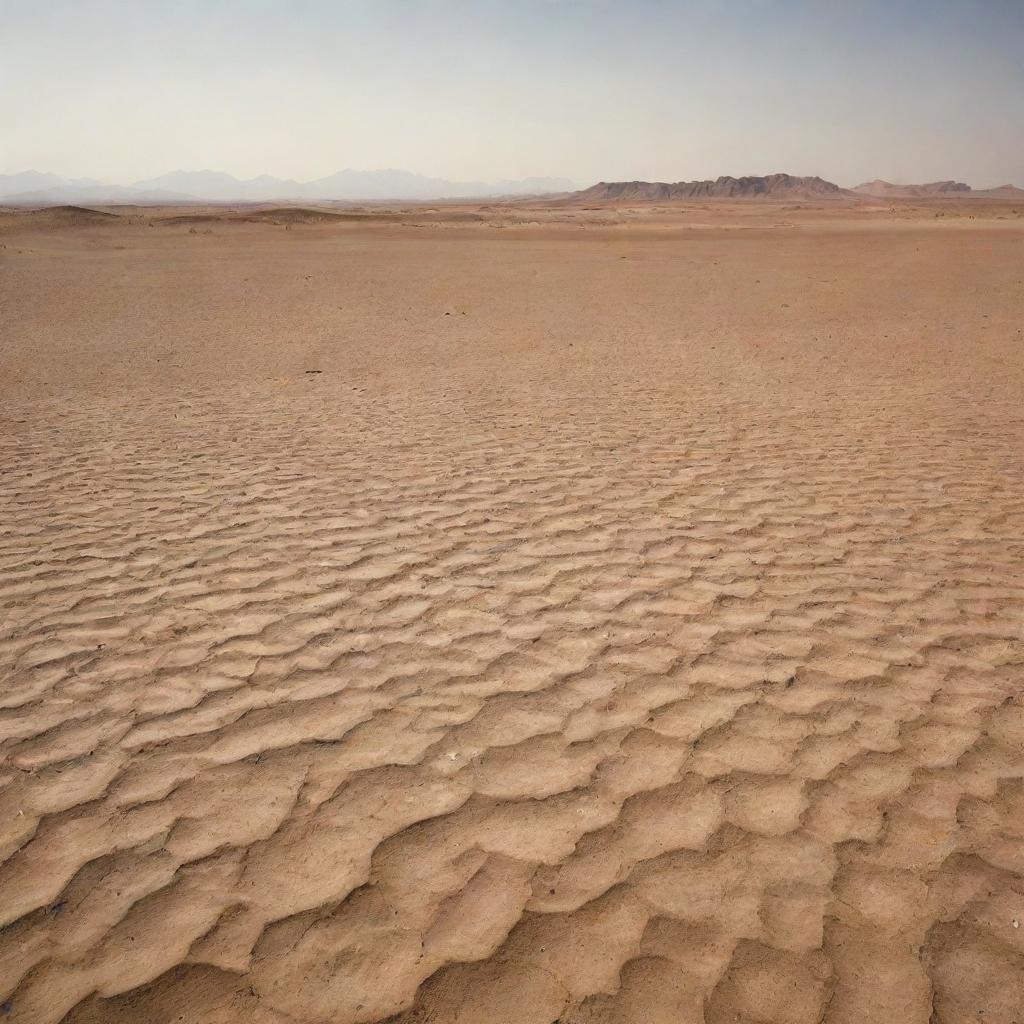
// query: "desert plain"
[[513, 614]]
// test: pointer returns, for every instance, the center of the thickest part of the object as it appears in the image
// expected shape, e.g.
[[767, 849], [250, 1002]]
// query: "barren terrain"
[[513, 614]]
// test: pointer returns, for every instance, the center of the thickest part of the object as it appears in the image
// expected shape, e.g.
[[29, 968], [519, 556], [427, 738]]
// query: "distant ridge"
[[886, 189], [782, 186], [1000, 192], [38, 189], [35, 188], [879, 189], [69, 216]]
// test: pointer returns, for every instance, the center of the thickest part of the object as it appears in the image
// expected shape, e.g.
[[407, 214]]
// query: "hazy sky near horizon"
[[908, 90]]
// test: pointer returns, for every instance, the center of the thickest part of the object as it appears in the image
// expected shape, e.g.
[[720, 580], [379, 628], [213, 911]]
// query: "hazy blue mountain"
[[220, 187], [96, 195], [35, 181], [216, 186], [397, 184], [347, 184]]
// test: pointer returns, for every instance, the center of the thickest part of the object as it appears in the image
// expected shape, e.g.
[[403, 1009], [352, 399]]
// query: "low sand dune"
[[615, 627], [273, 215], [56, 217]]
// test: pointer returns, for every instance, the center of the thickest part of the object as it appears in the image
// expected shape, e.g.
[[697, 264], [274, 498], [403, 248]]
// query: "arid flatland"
[[513, 614]]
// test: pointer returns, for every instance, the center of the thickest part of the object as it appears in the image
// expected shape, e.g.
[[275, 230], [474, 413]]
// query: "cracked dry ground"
[[664, 666]]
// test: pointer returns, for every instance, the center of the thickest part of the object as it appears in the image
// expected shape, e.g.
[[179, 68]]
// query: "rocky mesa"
[[769, 186]]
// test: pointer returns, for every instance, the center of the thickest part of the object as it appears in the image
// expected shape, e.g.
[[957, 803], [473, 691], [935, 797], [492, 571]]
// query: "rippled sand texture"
[[617, 629]]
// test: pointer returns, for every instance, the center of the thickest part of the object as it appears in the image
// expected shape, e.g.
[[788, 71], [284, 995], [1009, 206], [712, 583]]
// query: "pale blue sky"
[[908, 90]]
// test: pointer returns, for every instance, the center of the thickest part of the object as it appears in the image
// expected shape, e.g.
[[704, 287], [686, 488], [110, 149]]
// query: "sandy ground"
[[624, 624]]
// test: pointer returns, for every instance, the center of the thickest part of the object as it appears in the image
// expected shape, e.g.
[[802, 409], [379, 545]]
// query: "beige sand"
[[623, 625]]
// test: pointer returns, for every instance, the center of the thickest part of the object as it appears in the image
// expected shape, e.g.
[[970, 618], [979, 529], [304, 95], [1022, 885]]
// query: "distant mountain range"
[[37, 188], [879, 189], [783, 186]]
